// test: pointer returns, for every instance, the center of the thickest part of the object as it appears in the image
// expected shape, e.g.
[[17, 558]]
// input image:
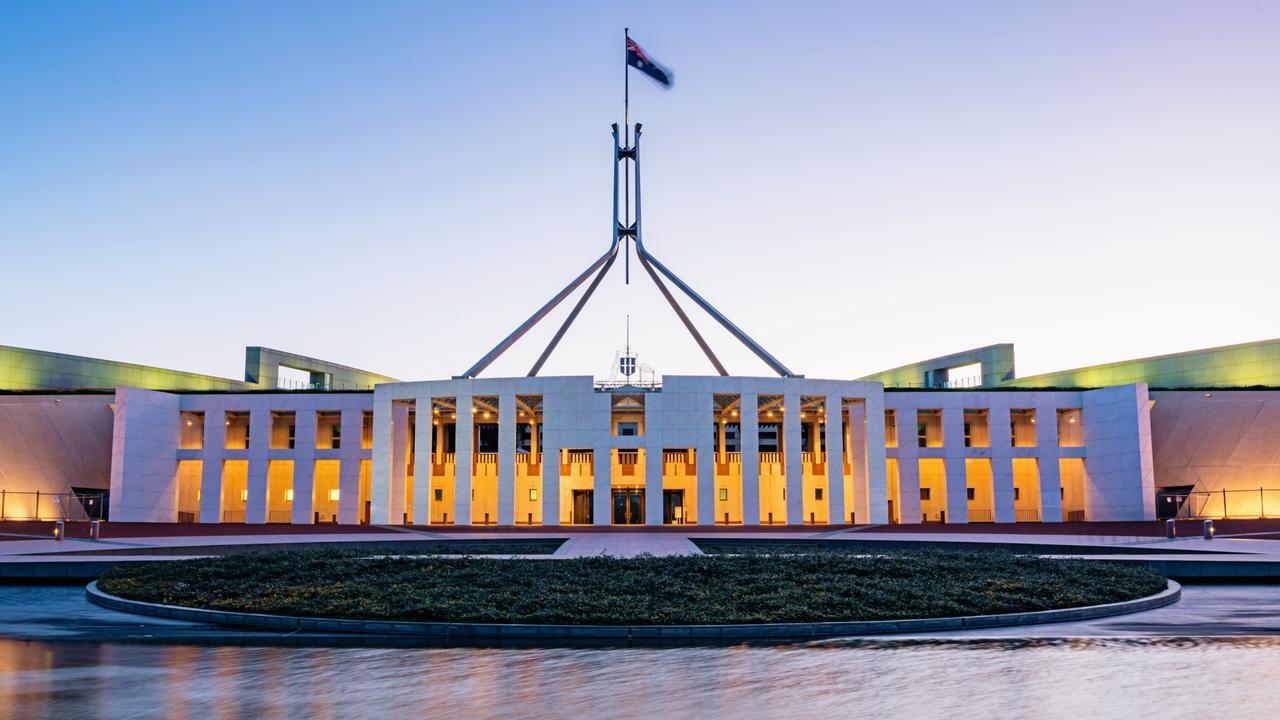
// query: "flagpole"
[[626, 142]]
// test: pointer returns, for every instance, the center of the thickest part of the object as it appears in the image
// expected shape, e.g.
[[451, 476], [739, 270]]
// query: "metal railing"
[[770, 457], [232, 516], [1031, 515], [1226, 504], [292, 384], [486, 458], [675, 456], [280, 516], [1073, 515], [981, 515], [16, 505]]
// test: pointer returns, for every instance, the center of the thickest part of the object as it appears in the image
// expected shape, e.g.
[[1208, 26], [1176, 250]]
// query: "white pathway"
[[626, 545]]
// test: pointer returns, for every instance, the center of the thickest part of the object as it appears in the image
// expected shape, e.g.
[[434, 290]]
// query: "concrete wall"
[[1120, 483], [144, 460], [51, 443], [1217, 440]]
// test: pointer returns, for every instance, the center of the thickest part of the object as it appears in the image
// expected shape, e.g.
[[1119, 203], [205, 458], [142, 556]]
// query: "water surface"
[[1216, 654], [1088, 678]]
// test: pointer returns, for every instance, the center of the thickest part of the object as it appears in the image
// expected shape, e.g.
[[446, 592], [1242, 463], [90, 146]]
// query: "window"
[[333, 495], [922, 436], [246, 434], [968, 434], [817, 493], [439, 495], [969, 492], [292, 435], [533, 494], [336, 442], [628, 429], [1017, 492], [924, 493], [724, 493], [768, 437]]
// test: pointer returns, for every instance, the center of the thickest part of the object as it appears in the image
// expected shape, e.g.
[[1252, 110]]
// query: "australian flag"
[[640, 60]]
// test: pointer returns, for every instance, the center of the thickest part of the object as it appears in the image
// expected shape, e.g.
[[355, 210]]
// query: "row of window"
[[977, 428], [283, 431]]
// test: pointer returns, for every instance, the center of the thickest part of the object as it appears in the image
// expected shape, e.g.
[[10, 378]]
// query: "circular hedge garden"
[[751, 588]]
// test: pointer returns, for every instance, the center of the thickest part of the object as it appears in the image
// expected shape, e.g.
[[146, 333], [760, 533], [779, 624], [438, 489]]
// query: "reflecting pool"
[[1093, 678], [1215, 654]]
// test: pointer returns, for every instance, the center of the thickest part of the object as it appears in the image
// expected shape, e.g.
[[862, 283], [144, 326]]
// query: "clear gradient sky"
[[859, 185]]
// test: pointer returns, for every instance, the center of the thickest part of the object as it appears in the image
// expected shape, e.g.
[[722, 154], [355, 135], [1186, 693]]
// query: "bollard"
[[95, 528], [59, 530], [1208, 529], [1169, 530]]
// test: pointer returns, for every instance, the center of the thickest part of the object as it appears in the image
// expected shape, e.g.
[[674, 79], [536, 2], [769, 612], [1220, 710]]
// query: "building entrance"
[[582, 501], [672, 507], [628, 506]]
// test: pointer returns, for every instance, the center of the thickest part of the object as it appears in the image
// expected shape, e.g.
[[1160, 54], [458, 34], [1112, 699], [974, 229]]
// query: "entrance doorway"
[[673, 507], [628, 506], [582, 501]]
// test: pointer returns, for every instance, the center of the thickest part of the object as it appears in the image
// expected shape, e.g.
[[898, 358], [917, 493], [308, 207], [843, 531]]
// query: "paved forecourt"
[[1254, 554]]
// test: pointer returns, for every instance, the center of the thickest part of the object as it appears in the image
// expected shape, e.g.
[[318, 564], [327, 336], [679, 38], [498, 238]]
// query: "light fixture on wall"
[[244, 496]]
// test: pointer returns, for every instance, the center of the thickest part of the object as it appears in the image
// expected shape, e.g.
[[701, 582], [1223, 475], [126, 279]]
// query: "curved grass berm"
[[792, 588]]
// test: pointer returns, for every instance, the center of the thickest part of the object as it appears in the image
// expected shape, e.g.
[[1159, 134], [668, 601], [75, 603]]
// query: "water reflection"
[[1097, 678]]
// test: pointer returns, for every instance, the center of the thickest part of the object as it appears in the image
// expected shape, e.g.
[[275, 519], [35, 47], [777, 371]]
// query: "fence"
[[51, 506], [1224, 504]]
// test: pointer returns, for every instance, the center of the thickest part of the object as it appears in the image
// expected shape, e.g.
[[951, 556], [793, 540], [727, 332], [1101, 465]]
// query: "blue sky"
[[859, 185]]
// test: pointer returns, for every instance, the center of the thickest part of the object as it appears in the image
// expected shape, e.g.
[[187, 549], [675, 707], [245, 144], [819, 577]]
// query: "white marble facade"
[[867, 478]]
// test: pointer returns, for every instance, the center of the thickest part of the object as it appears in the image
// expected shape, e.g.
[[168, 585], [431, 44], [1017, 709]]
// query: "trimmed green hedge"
[[827, 586]]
